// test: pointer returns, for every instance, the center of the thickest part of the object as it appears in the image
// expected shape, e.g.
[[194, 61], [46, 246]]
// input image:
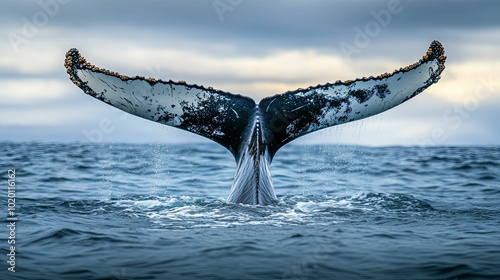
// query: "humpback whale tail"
[[252, 132]]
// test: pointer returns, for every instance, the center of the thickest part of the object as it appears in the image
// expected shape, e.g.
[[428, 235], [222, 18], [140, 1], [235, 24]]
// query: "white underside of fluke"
[[252, 132]]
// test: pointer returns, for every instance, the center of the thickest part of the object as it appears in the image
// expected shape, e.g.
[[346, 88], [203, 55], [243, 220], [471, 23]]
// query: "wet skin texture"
[[252, 132]]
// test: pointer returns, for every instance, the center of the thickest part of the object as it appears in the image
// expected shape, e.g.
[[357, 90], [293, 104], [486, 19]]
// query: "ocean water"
[[156, 211]]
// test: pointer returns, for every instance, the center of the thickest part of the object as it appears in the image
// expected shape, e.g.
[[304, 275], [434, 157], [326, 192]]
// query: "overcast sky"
[[254, 48]]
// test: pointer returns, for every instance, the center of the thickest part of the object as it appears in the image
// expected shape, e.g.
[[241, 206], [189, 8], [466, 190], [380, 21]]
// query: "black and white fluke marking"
[[252, 132]]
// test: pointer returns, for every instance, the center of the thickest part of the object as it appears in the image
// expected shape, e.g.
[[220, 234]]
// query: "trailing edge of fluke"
[[253, 132]]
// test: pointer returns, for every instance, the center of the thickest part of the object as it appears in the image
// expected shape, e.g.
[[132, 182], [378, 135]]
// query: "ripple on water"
[[182, 212]]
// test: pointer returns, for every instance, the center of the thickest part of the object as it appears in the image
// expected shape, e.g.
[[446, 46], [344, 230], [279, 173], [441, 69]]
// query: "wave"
[[182, 212]]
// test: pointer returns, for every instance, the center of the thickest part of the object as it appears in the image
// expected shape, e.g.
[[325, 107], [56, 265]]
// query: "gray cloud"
[[272, 24], [252, 29]]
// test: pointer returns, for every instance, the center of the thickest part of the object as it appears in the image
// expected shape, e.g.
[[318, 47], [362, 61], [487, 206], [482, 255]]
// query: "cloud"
[[28, 91], [256, 48]]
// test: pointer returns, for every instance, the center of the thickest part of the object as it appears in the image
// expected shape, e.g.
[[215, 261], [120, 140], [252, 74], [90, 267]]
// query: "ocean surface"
[[157, 211]]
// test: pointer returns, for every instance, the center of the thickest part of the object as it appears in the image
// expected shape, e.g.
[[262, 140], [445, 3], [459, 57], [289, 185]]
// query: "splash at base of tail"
[[252, 132]]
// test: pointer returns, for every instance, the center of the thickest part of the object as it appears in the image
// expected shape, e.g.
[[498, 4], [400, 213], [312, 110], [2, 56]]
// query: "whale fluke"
[[252, 132]]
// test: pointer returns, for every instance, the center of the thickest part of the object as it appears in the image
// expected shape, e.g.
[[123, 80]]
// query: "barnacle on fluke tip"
[[252, 132], [435, 51]]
